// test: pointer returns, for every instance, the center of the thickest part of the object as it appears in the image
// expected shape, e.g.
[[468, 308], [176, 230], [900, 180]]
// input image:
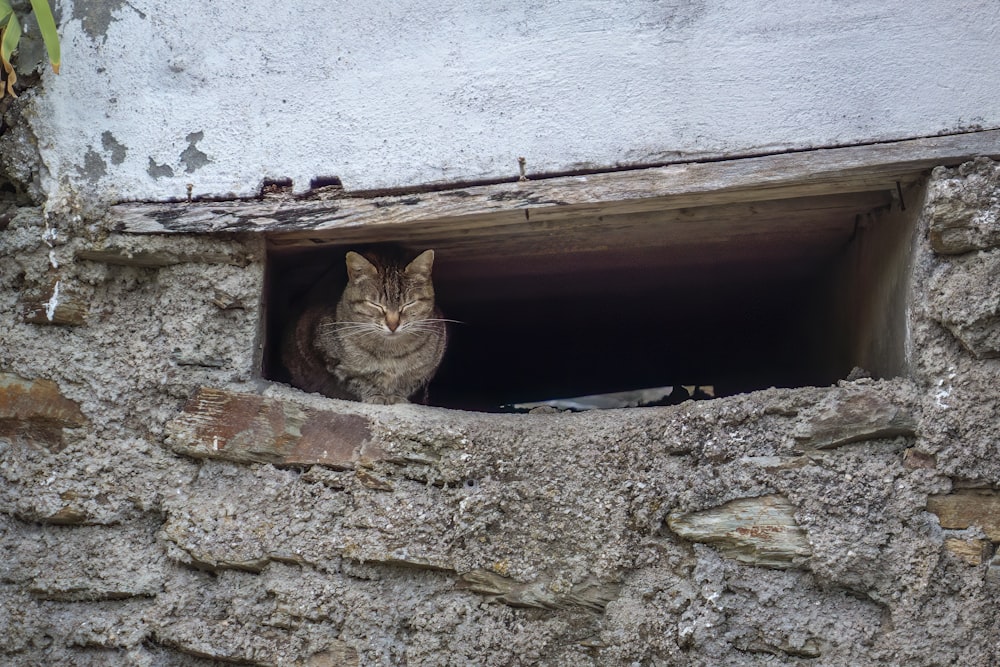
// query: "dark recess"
[[549, 326]]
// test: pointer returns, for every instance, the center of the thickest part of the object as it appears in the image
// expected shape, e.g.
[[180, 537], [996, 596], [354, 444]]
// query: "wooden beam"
[[809, 173]]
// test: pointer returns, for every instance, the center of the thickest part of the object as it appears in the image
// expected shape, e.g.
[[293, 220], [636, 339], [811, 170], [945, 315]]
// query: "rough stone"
[[964, 299], [972, 550], [968, 507], [85, 563], [759, 531], [58, 302], [439, 537], [250, 428], [593, 595], [36, 412], [114, 254], [853, 417], [964, 207]]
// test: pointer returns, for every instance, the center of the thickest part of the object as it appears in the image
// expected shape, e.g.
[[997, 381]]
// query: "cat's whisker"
[[362, 333]]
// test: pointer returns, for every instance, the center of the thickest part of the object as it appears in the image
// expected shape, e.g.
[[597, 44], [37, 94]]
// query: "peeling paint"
[[158, 171], [192, 158], [361, 114], [96, 16], [94, 167], [113, 146]]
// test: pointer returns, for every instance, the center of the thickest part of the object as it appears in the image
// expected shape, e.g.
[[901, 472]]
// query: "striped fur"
[[383, 341]]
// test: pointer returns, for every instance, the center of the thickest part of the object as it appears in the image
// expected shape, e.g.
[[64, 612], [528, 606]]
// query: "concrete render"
[[159, 100], [471, 539]]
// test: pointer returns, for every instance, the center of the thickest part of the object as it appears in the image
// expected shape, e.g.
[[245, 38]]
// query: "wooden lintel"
[[808, 173]]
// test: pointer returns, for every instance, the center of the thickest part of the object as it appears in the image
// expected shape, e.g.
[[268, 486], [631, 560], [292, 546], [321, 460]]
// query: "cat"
[[383, 340]]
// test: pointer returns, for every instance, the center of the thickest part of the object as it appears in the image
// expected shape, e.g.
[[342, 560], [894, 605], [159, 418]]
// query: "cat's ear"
[[421, 266], [359, 268]]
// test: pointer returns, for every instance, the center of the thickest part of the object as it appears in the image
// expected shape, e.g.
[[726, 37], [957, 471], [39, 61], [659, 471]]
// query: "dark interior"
[[740, 297]]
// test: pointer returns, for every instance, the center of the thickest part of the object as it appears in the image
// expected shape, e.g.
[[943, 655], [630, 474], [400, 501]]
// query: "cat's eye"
[[406, 305], [377, 306]]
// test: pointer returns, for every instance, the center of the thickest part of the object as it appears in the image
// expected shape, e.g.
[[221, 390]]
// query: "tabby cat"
[[383, 341]]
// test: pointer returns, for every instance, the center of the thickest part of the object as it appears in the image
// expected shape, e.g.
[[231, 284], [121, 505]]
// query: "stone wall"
[[163, 506]]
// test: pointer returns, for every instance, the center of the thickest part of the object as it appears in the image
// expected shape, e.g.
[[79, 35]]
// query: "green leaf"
[[10, 35], [47, 25], [5, 11]]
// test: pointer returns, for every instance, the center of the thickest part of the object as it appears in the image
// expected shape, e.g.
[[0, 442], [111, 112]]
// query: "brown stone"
[[759, 531], [973, 551], [55, 303], [36, 412], [968, 507], [338, 655], [254, 429], [854, 417], [914, 459], [373, 481], [66, 516]]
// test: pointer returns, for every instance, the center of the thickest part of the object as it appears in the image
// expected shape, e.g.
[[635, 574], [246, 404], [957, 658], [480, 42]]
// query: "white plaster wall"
[[157, 94]]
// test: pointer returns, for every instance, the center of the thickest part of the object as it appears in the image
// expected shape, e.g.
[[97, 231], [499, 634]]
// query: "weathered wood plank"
[[810, 173], [813, 220]]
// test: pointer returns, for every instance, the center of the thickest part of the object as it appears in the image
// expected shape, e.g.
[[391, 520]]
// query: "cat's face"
[[389, 300]]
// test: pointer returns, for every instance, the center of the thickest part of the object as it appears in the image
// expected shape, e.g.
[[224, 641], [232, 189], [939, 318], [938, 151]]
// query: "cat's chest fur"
[[381, 342]]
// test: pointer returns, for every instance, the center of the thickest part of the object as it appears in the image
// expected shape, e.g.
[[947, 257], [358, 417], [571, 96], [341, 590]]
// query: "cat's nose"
[[392, 321]]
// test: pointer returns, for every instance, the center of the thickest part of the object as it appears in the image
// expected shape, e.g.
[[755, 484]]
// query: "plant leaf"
[[47, 26], [9, 37], [5, 10]]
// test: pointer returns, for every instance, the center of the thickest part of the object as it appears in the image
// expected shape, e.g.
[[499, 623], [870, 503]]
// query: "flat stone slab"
[[35, 411], [968, 507], [250, 428], [758, 531]]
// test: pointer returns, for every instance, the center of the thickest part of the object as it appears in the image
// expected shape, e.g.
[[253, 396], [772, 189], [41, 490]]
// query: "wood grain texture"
[[876, 167]]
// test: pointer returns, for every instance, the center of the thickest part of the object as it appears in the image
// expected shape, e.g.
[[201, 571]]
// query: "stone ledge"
[[842, 419], [249, 428]]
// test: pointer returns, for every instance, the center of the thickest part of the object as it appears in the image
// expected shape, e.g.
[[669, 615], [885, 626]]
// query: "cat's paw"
[[382, 399]]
